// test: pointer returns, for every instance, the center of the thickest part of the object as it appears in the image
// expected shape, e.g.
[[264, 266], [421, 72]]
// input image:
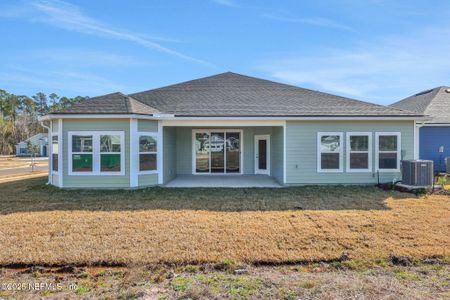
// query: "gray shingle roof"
[[434, 103], [230, 94], [115, 103]]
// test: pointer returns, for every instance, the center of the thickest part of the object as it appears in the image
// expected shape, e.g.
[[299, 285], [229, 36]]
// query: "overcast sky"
[[373, 50]]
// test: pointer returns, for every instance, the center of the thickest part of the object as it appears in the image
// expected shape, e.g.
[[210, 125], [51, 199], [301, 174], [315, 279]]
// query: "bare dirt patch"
[[349, 280]]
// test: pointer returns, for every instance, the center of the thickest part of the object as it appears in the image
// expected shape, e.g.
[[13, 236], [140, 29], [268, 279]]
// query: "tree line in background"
[[19, 116]]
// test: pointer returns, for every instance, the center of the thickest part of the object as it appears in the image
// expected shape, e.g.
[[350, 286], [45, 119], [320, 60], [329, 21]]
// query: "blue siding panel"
[[431, 138]]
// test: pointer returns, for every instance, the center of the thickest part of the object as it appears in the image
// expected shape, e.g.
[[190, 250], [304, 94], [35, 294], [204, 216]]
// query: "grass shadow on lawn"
[[33, 195]]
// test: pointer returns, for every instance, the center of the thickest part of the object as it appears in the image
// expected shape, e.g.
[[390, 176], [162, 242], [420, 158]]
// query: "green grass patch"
[[406, 275], [181, 283]]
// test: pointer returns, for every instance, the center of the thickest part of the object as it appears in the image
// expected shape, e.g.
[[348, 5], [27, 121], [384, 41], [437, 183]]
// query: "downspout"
[[49, 139]]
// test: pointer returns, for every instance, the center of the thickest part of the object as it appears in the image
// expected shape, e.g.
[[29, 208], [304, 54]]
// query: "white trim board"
[[134, 153], [218, 118], [221, 123], [60, 153], [160, 153]]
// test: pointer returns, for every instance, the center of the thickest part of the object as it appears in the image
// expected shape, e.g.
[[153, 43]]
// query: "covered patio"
[[227, 181], [230, 154]]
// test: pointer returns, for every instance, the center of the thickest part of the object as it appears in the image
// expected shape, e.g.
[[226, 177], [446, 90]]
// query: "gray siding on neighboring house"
[[301, 152], [103, 181], [184, 149]]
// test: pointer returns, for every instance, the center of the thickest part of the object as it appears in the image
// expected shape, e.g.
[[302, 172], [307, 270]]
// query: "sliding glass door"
[[217, 151], [202, 152]]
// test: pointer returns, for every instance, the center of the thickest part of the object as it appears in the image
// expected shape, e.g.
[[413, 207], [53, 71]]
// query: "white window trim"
[[319, 152], [51, 152], [377, 152], [96, 153], [348, 152], [154, 135]]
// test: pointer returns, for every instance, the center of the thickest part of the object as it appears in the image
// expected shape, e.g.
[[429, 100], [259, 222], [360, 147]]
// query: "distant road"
[[23, 170]]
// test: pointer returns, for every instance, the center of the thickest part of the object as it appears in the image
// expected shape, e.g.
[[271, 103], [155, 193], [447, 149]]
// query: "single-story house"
[[40, 140], [434, 134], [230, 125]]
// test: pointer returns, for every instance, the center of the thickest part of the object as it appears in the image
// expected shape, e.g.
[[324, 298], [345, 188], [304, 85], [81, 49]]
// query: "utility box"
[[417, 172], [447, 165]]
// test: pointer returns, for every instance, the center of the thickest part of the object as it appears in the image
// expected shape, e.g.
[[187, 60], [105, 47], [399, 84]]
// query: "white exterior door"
[[262, 154]]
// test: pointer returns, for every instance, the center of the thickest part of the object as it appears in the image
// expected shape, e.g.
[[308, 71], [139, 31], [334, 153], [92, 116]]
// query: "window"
[[359, 151], [82, 153], [329, 146], [110, 153], [147, 152], [96, 153], [388, 151], [55, 151]]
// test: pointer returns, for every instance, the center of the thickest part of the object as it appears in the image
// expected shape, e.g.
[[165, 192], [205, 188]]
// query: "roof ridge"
[[133, 102], [126, 102], [179, 83], [269, 81]]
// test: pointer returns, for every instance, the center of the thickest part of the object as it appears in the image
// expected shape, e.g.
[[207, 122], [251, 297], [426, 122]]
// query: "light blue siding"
[[101, 181], [431, 138], [276, 153], [301, 157], [148, 125], [145, 180]]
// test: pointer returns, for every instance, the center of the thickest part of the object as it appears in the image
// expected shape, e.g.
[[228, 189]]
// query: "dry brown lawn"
[[43, 225]]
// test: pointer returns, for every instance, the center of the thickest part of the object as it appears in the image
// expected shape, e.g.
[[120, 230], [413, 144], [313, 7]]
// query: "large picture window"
[[388, 147], [96, 153], [329, 145], [55, 153], [359, 151], [147, 152]]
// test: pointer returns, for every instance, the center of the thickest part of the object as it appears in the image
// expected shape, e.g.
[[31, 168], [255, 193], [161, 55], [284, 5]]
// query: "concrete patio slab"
[[231, 181]]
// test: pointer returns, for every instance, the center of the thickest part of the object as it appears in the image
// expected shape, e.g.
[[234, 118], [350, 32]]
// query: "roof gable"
[[434, 103], [115, 103]]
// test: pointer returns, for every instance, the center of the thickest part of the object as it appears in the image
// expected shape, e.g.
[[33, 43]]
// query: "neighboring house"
[[40, 140], [295, 135], [434, 134]]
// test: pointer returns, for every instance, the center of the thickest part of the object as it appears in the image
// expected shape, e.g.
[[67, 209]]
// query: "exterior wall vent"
[[447, 164], [417, 172]]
